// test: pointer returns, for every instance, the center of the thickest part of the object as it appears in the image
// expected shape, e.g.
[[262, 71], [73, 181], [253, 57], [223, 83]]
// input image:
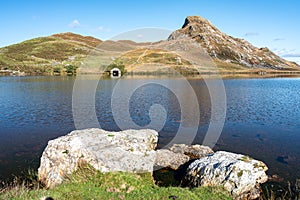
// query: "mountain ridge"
[[88, 40]]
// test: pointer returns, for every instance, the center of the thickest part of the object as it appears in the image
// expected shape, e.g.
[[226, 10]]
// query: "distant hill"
[[42, 55], [55, 53]]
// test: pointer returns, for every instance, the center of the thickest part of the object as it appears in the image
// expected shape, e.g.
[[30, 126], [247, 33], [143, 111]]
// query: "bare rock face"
[[179, 154], [238, 174], [130, 151]]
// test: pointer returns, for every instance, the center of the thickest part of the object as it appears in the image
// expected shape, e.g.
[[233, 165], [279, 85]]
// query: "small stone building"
[[115, 73]]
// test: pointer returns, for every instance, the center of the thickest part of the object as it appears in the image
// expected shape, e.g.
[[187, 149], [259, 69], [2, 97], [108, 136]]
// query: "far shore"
[[255, 73]]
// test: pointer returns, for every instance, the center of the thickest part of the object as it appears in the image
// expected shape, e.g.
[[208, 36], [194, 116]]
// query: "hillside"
[[54, 54], [42, 55]]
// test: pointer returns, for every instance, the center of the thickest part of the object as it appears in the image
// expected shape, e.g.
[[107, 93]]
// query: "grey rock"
[[179, 154], [239, 174], [193, 151], [130, 151], [168, 159]]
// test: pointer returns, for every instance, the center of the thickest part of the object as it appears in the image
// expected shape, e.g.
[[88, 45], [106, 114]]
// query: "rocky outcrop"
[[226, 49], [133, 151], [130, 151], [179, 154], [238, 174]]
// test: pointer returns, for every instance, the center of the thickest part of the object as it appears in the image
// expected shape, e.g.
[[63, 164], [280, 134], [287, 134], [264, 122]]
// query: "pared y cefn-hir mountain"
[[225, 49], [54, 53]]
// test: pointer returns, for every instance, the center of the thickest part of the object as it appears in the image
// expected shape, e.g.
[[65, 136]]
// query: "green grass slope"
[[87, 184]]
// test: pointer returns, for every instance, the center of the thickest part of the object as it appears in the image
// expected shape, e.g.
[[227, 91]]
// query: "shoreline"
[[205, 74]]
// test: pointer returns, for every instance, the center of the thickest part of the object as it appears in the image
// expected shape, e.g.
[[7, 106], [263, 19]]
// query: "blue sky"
[[270, 23]]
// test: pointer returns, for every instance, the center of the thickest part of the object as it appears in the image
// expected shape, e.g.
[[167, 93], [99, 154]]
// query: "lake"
[[262, 118]]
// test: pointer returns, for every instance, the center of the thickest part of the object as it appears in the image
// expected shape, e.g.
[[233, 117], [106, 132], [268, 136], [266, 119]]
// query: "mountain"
[[228, 51], [56, 52]]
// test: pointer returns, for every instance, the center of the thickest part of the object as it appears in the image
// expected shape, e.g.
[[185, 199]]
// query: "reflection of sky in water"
[[262, 117]]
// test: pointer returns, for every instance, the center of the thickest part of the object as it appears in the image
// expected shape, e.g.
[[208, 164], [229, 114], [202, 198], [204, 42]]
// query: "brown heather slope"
[[88, 40]]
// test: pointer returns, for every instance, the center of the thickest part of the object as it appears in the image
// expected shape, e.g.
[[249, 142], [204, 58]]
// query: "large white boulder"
[[239, 174], [130, 151]]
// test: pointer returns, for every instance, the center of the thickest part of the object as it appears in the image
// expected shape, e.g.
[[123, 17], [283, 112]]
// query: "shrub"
[[71, 69]]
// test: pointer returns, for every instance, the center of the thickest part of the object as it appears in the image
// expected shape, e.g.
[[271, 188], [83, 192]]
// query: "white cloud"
[[282, 52], [278, 39], [288, 54], [293, 59], [102, 28], [34, 17], [251, 34], [75, 23], [291, 55]]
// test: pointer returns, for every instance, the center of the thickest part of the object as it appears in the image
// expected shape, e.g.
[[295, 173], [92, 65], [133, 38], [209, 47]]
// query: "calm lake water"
[[262, 120]]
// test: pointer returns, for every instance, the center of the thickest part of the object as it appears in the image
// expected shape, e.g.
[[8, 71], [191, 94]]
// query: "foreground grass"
[[88, 184]]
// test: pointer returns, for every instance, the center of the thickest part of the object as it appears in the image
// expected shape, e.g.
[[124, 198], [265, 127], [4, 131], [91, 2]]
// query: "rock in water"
[[130, 151], [239, 174]]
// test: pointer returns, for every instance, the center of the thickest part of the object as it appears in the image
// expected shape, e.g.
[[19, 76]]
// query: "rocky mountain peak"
[[191, 20], [227, 50]]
